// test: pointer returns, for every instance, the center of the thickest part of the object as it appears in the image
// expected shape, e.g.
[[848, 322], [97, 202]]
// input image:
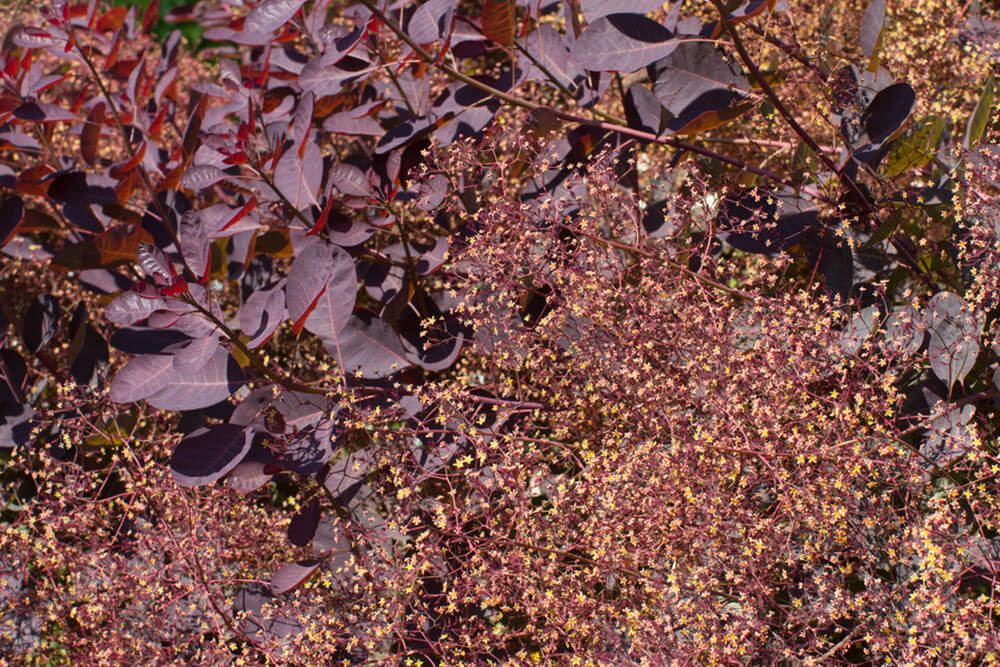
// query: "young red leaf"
[[498, 21]]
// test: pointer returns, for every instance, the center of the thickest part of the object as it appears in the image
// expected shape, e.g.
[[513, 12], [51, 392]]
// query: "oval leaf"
[[622, 43], [302, 527], [209, 453], [270, 15], [498, 21]]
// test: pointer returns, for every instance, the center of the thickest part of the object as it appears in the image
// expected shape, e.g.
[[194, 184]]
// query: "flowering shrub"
[[522, 331]]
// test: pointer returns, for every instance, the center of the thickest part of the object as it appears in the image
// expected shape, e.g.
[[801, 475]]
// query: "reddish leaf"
[[91, 134], [498, 21], [112, 19], [113, 247]]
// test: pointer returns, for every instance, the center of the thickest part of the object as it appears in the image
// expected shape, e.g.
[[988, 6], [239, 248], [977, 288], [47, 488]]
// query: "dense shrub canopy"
[[578, 332]]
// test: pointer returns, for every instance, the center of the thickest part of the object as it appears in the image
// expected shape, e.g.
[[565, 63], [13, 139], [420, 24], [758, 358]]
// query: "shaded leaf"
[[82, 189], [209, 453], [888, 111], [90, 135], [642, 110], [11, 216], [302, 527], [88, 352], [40, 322], [113, 247], [43, 112], [710, 110]]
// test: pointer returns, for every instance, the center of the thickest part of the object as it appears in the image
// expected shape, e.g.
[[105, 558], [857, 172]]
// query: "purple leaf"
[[954, 336], [322, 78], [292, 576], [595, 9], [350, 180], [549, 48], [307, 278], [190, 355], [219, 378], [202, 176], [309, 446], [622, 43], [333, 309], [367, 349], [301, 121], [871, 28], [130, 307], [194, 243], [260, 316], [358, 120], [693, 69], [248, 476], [154, 264], [32, 38], [141, 377], [299, 179], [270, 15], [209, 453], [431, 21]]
